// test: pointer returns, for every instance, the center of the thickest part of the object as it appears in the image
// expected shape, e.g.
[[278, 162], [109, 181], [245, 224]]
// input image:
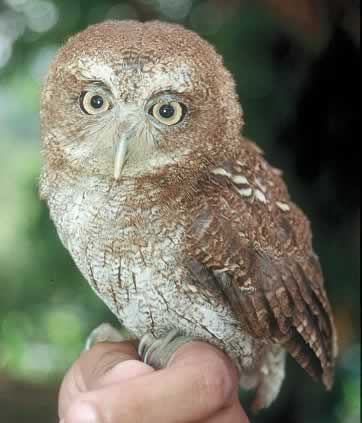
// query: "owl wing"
[[256, 244]]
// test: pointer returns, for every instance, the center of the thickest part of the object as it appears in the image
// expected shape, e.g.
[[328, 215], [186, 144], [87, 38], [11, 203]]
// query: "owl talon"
[[103, 333], [158, 352]]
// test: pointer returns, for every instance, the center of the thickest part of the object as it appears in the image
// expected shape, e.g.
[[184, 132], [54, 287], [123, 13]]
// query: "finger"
[[123, 372], [234, 414], [101, 365], [102, 358], [199, 382]]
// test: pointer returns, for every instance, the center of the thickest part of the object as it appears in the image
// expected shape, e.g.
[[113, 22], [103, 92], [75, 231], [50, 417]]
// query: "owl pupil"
[[97, 102], [167, 111]]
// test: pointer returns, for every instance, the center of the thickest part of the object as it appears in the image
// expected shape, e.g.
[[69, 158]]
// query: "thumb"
[[204, 356], [105, 364]]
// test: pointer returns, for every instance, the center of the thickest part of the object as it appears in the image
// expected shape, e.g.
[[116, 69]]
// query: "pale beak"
[[121, 149]]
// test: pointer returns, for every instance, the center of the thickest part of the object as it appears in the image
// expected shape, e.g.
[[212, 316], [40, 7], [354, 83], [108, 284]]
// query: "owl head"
[[127, 99]]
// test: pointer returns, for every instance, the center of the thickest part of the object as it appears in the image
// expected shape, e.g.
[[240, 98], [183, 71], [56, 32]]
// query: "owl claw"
[[103, 333], [158, 352]]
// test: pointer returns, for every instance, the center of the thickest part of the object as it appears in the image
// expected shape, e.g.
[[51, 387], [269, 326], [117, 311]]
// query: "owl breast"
[[135, 262]]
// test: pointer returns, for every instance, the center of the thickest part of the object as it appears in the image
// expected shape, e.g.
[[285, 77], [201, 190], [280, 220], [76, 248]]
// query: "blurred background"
[[297, 69]]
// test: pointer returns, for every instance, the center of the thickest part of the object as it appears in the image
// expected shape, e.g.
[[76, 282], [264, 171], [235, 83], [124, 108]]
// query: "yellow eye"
[[94, 103], [168, 113]]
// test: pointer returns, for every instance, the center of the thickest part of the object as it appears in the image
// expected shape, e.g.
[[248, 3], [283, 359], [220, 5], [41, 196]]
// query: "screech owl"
[[175, 219]]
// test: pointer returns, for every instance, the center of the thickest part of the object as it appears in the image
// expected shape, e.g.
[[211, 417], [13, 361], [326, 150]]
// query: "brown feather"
[[275, 284]]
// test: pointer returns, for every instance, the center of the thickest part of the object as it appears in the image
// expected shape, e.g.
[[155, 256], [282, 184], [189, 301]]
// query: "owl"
[[175, 219]]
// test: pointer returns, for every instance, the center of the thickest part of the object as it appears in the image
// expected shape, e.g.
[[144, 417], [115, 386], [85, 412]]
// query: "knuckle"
[[215, 381], [135, 412], [83, 410], [96, 350], [106, 363], [99, 361]]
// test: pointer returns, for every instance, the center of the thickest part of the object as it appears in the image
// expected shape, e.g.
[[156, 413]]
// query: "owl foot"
[[158, 352], [103, 333], [270, 379]]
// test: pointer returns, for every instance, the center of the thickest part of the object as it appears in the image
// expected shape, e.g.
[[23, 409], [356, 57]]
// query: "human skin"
[[109, 384]]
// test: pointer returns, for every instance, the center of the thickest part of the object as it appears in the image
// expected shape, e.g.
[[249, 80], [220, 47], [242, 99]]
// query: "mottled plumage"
[[173, 217]]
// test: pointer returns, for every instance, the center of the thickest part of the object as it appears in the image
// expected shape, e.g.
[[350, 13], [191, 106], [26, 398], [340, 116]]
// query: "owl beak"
[[121, 144], [121, 149]]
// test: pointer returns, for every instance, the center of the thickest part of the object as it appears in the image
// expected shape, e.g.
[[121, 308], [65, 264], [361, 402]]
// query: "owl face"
[[129, 99]]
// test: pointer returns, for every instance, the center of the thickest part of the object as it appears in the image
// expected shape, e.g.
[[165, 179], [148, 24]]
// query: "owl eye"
[[169, 114], [93, 103]]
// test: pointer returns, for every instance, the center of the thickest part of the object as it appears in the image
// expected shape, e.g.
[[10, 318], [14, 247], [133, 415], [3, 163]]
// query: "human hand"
[[108, 384]]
